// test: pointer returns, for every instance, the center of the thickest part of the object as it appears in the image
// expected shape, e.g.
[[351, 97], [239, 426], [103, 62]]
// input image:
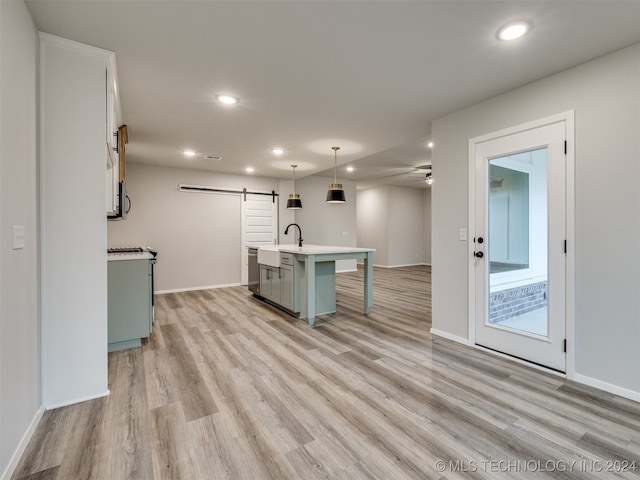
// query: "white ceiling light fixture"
[[350, 169], [430, 144], [189, 153], [227, 99], [277, 151], [249, 169], [513, 30]]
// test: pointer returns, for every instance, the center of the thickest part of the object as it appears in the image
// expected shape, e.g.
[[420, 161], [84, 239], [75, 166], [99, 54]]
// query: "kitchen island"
[[302, 279]]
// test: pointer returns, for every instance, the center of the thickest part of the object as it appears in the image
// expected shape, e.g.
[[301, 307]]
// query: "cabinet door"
[[111, 133], [111, 145], [286, 287], [112, 190], [265, 281], [275, 285], [129, 294]]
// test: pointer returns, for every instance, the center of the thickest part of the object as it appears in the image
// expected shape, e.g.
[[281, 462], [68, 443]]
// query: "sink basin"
[[269, 256]]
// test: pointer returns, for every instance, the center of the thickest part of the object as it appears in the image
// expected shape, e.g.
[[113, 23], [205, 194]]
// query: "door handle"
[[479, 254]]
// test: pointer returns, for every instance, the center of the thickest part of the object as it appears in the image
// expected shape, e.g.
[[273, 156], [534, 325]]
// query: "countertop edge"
[[316, 249], [116, 257]]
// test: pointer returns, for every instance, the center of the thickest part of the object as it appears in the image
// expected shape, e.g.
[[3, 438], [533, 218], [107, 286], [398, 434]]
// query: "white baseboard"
[[53, 406], [403, 265], [193, 289], [26, 438], [607, 387], [449, 336], [347, 270]]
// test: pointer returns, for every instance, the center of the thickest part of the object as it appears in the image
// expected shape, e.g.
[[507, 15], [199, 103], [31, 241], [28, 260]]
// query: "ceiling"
[[368, 76]]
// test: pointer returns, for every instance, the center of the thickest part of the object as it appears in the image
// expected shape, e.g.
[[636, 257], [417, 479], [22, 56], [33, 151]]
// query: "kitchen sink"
[[269, 256]]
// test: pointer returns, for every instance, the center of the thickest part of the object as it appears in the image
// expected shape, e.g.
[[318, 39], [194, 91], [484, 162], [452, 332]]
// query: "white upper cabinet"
[[112, 121]]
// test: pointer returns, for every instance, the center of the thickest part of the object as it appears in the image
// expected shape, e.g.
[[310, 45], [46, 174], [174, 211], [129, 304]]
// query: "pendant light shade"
[[294, 202], [335, 193]]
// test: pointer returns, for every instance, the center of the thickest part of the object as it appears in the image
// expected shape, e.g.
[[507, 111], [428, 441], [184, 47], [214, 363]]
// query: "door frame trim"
[[568, 117]]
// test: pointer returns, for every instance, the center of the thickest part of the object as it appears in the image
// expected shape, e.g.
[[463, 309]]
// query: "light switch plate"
[[463, 235], [18, 237]]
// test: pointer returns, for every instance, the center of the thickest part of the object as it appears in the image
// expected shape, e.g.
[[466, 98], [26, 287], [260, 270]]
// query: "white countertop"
[[314, 249], [129, 256]]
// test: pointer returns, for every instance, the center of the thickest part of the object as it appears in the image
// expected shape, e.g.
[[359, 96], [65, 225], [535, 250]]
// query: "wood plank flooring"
[[228, 387]]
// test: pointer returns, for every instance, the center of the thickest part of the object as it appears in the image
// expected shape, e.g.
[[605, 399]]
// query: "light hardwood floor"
[[228, 387]]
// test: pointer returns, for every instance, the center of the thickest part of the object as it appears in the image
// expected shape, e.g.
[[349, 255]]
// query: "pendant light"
[[294, 202], [335, 193]]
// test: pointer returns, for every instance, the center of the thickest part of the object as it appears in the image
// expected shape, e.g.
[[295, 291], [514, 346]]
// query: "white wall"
[[406, 226], [324, 223], [73, 221], [392, 220], [373, 215], [426, 236], [20, 366], [285, 217], [605, 94], [197, 235]]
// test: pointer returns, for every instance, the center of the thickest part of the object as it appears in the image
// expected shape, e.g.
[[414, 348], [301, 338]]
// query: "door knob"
[[479, 254]]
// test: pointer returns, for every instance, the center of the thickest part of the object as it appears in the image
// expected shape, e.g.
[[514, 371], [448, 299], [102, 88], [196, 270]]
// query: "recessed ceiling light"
[[350, 169], [227, 99], [277, 151], [513, 30], [249, 170], [189, 153], [430, 144]]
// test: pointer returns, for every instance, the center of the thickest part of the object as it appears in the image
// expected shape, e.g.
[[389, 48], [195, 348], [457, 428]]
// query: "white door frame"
[[568, 118]]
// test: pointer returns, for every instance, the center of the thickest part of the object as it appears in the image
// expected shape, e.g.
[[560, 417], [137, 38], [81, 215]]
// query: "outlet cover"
[[18, 237]]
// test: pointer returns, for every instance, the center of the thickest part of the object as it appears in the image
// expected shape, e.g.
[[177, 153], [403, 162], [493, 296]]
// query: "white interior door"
[[259, 226], [520, 243]]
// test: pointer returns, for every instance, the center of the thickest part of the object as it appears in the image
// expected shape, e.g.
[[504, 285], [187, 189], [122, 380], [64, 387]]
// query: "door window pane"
[[517, 242], [508, 219]]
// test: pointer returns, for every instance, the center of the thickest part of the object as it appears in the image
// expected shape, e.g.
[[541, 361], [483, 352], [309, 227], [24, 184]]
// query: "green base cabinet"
[[287, 298], [284, 286], [270, 283], [130, 310]]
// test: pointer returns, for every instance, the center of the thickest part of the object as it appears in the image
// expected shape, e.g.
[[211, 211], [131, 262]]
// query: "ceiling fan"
[[406, 174], [422, 173]]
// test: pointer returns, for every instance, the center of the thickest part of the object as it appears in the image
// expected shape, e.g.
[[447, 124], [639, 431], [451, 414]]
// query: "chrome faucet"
[[286, 232]]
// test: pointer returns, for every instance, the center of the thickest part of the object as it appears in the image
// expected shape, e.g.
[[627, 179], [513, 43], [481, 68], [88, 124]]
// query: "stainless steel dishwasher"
[[254, 271]]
